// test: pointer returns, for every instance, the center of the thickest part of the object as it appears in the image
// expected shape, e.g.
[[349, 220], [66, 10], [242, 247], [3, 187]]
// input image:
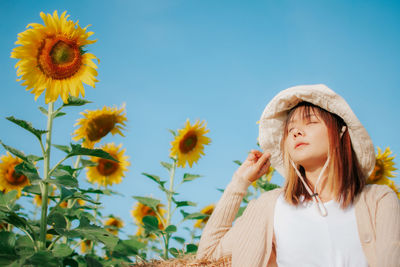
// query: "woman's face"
[[307, 140]]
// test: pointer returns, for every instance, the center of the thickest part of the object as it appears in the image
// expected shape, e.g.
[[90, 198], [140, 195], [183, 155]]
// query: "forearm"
[[216, 237]]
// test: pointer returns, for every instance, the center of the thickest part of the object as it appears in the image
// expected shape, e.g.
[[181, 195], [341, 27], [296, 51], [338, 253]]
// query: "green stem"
[[55, 166], [71, 202], [44, 185], [169, 214], [171, 188]]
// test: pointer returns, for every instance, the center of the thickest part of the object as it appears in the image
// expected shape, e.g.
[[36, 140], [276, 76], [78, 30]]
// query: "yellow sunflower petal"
[[9, 178], [108, 172], [96, 124], [188, 145], [51, 58]]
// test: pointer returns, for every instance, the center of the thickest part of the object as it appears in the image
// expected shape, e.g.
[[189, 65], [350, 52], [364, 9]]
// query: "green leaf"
[[179, 239], [170, 229], [190, 177], [27, 126], [62, 250], [92, 262], [29, 170], [14, 151], [238, 162], [65, 193], [88, 163], [155, 178], [66, 181], [24, 246], [7, 243], [7, 198], [58, 114], [166, 165], [150, 223], [43, 110], [172, 132], [34, 158], [41, 257], [33, 189], [65, 149], [57, 220], [184, 203], [79, 150], [62, 170], [75, 101], [128, 247], [191, 248], [174, 252], [193, 216], [148, 201]]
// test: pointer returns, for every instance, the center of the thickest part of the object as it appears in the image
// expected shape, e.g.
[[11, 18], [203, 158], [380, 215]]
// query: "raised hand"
[[255, 165]]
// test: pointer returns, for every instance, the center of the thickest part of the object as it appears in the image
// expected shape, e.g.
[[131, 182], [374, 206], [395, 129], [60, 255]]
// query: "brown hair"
[[345, 177]]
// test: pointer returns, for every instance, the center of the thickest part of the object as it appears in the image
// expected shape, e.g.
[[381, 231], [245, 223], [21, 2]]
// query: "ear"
[[342, 131]]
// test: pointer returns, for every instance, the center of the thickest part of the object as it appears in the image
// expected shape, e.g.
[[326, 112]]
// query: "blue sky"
[[218, 61]]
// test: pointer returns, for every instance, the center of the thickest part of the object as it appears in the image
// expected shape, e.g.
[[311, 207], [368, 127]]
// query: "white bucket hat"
[[273, 119]]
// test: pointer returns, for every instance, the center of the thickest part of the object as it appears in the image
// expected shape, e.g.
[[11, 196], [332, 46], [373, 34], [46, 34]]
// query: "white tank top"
[[305, 238]]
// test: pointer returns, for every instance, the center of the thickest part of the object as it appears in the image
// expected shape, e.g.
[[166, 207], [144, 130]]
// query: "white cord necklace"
[[319, 204]]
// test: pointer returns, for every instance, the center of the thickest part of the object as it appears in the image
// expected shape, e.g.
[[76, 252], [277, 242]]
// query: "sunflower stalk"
[[44, 184], [71, 202], [169, 199]]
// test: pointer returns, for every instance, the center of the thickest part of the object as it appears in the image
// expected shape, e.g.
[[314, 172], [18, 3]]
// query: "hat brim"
[[273, 119]]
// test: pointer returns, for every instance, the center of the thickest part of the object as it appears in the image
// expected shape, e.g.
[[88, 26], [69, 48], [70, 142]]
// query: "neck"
[[312, 174]]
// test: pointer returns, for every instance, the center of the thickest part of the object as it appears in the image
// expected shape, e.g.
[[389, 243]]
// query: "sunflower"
[[108, 172], [52, 57], [208, 210], [114, 224], [86, 246], [188, 145], [140, 210], [64, 204], [384, 166], [96, 124], [9, 178]]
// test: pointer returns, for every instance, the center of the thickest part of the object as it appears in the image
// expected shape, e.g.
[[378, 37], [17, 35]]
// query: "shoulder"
[[377, 191], [270, 196]]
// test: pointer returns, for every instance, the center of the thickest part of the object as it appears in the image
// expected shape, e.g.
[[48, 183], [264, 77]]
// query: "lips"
[[300, 144]]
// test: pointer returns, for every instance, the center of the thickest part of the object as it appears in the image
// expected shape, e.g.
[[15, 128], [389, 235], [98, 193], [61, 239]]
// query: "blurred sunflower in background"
[[52, 57], [113, 224], [188, 145], [86, 245], [108, 172], [384, 169], [208, 210], [96, 124], [140, 210], [9, 178], [80, 202]]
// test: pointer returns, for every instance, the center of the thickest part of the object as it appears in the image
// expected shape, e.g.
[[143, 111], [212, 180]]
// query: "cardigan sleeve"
[[218, 235], [388, 230]]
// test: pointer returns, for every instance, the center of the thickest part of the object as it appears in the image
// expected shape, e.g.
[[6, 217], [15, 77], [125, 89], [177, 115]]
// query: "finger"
[[265, 168], [263, 160]]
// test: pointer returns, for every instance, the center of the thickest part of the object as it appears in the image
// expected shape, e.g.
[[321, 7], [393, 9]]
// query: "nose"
[[297, 132]]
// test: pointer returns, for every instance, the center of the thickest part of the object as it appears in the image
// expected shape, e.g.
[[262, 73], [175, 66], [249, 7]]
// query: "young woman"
[[325, 214]]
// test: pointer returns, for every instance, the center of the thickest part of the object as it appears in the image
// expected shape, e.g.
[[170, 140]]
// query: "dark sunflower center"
[[14, 178], [107, 167], [100, 126], [59, 58], [188, 142], [62, 53]]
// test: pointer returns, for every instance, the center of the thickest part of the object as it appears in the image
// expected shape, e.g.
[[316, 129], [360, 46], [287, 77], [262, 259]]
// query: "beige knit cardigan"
[[250, 240]]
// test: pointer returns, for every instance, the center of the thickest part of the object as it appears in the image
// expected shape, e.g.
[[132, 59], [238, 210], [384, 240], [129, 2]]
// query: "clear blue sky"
[[219, 61]]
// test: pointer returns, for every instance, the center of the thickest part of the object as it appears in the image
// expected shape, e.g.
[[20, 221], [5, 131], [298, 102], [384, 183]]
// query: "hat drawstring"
[[320, 205]]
